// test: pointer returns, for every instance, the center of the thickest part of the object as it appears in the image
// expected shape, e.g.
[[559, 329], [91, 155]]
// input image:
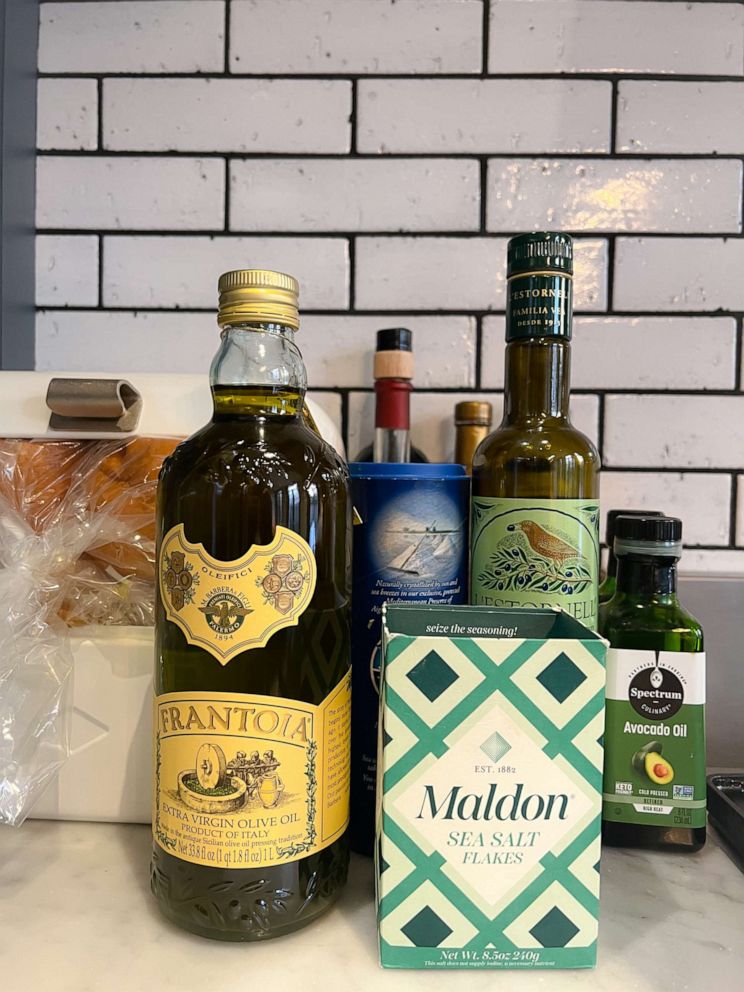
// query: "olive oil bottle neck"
[[537, 380], [258, 371], [647, 579]]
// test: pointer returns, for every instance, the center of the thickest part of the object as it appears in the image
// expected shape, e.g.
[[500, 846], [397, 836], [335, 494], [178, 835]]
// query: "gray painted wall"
[[719, 605], [18, 45]]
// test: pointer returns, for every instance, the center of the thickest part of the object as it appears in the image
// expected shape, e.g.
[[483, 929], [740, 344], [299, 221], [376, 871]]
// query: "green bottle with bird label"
[[535, 504]]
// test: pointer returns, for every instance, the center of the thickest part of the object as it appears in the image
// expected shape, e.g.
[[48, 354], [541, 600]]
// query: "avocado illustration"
[[649, 761]]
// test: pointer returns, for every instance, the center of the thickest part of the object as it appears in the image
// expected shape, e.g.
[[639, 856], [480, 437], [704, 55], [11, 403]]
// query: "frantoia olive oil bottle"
[[535, 539], [251, 719], [654, 774]]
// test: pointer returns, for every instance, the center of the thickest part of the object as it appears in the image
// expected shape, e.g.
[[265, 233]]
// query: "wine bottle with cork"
[[393, 373]]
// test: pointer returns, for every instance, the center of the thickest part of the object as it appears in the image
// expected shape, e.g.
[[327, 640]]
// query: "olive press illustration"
[[215, 785]]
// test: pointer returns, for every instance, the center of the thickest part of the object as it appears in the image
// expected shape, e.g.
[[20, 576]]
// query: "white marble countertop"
[[76, 916]]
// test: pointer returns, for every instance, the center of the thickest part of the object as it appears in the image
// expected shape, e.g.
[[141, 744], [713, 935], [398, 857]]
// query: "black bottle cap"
[[541, 251], [612, 516], [395, 339], [651, 530]]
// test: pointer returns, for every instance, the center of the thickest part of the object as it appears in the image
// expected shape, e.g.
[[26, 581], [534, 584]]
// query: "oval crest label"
[[227, 607]]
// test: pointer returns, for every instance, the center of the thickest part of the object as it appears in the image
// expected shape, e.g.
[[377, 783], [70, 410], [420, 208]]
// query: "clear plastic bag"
[[77, 546]]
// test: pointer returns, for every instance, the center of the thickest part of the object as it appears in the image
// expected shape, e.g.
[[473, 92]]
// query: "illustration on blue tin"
[[409, 550]]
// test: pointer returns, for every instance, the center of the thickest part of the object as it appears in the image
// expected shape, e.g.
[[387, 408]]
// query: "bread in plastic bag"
[[77, 546]]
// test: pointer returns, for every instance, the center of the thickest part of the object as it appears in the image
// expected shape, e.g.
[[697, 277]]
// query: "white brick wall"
[[697, 118], [364, 146], [67, 114], [132, 36], [360, 36], [604, 35], [484, 115], [602, 195], [172, 272], [226, 115], [124, 193], [416, 194]]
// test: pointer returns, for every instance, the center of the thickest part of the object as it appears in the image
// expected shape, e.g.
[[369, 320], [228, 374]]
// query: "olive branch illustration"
[[511, 569]]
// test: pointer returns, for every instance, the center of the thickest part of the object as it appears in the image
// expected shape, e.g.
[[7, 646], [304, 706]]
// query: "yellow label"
[[246, 781], [227, 607]]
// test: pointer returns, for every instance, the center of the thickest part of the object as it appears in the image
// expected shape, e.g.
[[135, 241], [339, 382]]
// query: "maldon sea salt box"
[[490, 788]]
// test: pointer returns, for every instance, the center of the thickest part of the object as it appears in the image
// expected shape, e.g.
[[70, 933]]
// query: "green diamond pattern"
[[426, 929], [554, 929], [495, 747], [561, 677], [432, 676]]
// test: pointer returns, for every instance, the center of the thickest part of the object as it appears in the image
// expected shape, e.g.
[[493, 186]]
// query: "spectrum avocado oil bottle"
[[654, 774]]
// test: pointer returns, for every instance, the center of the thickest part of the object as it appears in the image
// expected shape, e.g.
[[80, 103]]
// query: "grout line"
[[478, 353], [739, 353], [611, 274], [600, 427], [483, 195], [613, 118], [353, 119], [655, 77], [457, 154], [228, 196], [461, 312], [100, 270], [226, 33], [486, 35], [345, 421], [732, 509], [388, 234], [352, 274], [99, 110]]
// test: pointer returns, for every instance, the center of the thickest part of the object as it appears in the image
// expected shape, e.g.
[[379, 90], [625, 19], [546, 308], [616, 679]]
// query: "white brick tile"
[[142, 193], [355, 195], [616, 36], [491, 115], [66, 271], [239, 115], [338, 350], [635, 353], [688, 117], [701, 501], [140, 36], [679, 274], [183, 271], [330, 403], [712, 563], [457, 273], [740, 509], [602, 195], [432, 420], [110, 341], [359, 36], [674, 431], [67, 114]]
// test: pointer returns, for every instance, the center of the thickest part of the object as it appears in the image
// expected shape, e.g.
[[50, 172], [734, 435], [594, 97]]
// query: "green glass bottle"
[[654, 777], [252, 672], [607, 587], [535, 509]]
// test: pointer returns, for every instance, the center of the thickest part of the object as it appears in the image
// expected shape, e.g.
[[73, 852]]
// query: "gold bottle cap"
[[259, 295], [473, 412]]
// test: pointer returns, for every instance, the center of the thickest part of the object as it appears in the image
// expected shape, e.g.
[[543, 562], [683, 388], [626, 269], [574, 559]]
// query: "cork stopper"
[[394, 355]]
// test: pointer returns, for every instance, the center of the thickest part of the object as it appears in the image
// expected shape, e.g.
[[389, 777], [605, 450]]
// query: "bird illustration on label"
[[530, 556]]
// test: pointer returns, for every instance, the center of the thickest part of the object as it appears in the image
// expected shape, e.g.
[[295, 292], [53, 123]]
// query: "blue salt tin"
[[411, 547]]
